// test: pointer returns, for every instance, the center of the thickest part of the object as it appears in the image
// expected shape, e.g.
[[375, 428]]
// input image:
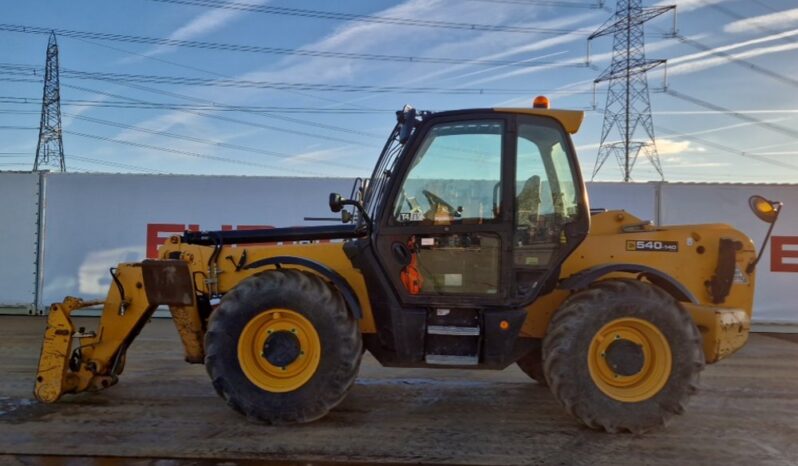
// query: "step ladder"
[[451, 341]]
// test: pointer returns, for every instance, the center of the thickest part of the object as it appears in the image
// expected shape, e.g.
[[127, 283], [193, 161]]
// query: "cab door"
[[444, 233], [468, 225], [550, 211]]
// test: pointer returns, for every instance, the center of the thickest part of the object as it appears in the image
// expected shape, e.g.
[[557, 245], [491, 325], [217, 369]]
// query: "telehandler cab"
[[471, 246]]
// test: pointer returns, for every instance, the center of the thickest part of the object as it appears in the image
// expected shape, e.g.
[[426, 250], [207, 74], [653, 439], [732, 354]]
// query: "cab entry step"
[[453, 330], [452, 360]]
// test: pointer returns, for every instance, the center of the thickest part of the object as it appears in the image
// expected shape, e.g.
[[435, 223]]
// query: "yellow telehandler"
[[472, 245]]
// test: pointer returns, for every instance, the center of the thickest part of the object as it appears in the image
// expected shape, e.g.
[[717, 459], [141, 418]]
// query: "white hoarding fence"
[[639, 199], [777, 274], [19, 216], [94, 221]]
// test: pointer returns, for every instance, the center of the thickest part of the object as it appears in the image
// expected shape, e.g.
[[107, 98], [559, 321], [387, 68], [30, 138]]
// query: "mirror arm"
[[752, 266], [366, 217]]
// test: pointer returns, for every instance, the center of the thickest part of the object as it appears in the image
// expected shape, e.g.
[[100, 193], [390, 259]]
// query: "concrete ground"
[[746, 413]]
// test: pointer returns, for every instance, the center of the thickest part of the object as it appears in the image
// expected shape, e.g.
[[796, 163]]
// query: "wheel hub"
[[625, 357], [629, 360], [281, 348]]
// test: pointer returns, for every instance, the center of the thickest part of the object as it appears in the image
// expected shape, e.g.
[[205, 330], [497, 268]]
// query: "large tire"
[[532, 365], [586, 372], [327, 335]]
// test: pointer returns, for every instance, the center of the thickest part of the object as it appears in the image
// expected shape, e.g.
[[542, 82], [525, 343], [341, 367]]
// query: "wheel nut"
[[293, 330]]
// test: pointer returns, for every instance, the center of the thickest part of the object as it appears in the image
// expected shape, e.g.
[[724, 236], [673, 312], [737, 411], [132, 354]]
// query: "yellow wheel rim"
[[275, 371], [639, 377]]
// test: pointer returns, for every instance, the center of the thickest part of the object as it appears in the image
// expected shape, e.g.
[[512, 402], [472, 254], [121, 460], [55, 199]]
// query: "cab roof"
[[571, 120]]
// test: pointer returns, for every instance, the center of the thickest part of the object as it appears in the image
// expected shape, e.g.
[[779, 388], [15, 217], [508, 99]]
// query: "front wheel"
[[622, 356], [282, 347]]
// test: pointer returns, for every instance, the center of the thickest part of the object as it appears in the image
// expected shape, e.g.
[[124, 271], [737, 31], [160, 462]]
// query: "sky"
[[739, 58]]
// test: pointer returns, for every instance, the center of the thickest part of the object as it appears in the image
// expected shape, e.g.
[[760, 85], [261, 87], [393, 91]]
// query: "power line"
[[339, 16], [730, 150], [190, 154], [227, 47], [728, 12], [24, 70], [109, 163], [591, 6], [215, 73], [208, 108], [18, 128], [742, 62], [219, 117], [183, 137], [740, 116], [195, 68]]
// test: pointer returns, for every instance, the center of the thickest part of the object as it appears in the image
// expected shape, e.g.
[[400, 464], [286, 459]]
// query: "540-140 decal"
[[652, 246]]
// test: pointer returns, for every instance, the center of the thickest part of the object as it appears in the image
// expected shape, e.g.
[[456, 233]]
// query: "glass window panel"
[[545, 194], [455, 176]]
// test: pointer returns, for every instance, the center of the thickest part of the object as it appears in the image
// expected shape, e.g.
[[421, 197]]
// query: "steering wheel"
[[435, 200]]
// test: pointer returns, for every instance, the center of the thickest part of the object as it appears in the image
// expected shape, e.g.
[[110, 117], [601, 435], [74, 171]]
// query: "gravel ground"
[[163, 408]]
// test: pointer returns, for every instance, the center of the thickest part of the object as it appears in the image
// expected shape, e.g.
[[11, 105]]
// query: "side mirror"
[[336, 202], [765, 210], [768, 212]]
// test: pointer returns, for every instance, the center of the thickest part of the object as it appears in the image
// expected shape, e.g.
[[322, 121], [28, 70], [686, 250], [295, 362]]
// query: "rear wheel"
[[282, 347], [622, 356]]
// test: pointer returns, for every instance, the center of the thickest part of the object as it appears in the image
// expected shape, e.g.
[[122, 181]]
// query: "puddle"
[[21, 410]]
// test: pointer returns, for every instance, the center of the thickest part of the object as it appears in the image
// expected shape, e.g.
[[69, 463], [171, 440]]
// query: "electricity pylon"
[[628, 107], [50, 148]]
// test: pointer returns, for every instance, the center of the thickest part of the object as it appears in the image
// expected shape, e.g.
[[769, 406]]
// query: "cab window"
[[545, 194], [455, 176]]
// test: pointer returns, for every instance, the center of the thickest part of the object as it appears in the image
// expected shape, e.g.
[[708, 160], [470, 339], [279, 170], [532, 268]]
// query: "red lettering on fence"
[[157, 234], [779, 254]]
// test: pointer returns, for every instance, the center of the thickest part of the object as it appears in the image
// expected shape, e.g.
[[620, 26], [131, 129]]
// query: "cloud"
[[728, 47], [601, 57], [209, 21], [683, 6], [699, 65], [772, 20], [319, 155], [667, 146]]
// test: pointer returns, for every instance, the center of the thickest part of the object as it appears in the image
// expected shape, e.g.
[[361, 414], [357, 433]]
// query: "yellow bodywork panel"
[[571, 120], [329, 254], [724, 330], [607, 243]]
